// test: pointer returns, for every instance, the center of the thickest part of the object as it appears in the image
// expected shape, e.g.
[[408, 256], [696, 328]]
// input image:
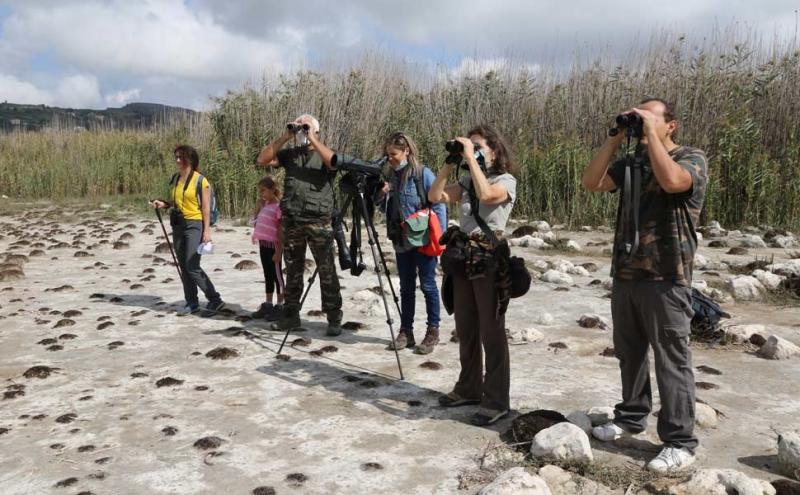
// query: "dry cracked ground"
[[106, 390]]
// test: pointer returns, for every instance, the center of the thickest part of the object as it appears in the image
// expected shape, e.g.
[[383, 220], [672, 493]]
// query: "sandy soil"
[[337, 423]]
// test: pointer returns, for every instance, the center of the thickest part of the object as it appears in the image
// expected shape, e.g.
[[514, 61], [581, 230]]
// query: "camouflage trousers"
[[319, 237]]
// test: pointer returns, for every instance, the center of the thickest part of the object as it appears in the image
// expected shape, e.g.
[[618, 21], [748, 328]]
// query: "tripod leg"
[[388, 277], [302, 300], [377, 258]]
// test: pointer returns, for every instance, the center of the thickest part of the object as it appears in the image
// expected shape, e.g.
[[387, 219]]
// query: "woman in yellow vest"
[[191, 225]]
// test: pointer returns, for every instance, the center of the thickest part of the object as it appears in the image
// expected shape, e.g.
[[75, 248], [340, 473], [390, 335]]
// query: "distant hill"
[[133, 115]]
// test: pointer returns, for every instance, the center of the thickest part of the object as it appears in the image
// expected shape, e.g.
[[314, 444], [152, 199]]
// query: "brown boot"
[[429, 342], [403, 339]]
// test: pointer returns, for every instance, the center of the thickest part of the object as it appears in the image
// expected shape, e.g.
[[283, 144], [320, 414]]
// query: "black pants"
[[186, 236], [656, 314], [272, 278]]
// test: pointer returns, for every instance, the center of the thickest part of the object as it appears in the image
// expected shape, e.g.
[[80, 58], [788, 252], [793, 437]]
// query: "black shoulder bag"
[[519, 274]]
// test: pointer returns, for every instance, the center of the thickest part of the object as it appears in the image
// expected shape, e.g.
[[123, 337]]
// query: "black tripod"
[[360, 211]]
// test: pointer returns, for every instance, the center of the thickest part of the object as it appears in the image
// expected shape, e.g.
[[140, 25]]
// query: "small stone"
[[519, 336], [601, 415], [556, 277], [516, 481], [745, 288], [581, 420], [742, 333], [593, 321], [778, 348], [753, 241], [705, 416], [789, 454], [722, 482]]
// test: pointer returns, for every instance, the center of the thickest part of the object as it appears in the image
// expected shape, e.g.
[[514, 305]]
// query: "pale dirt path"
[[299, 416]]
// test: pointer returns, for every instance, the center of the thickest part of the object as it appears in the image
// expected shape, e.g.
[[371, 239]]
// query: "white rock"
[[787, 269], [527, 241], [793, 254], [364, 295], [699, 236], [778, 348], [789, 454], [573, 246], [375, 308], [715, 225], [579, 271], [519, 336], [705, 416], [556, 277], [562, 266], [586, 228], [700, 261], [565, 483], [722, 482], [742, 333], [769, 280], [541, 226], [745, 288], [717, 295], [608, 284], [544, 319], [752, 241], [601, 415], [563, 441], [581, 420], [735, 233], [540, 265], [783, 241], [516, 481], [699, 284]]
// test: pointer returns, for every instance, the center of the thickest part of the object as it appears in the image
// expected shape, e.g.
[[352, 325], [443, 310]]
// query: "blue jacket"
[[409, 199]]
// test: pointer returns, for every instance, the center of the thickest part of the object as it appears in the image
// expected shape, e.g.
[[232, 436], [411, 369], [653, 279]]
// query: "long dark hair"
[[400, 141], [269, 183], [188, 153], [502, 162]]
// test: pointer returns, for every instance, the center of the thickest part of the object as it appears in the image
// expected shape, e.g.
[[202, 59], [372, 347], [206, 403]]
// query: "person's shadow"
[[235, 312]]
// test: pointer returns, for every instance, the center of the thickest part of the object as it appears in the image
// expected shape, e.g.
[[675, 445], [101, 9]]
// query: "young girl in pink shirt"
[[267, 233]]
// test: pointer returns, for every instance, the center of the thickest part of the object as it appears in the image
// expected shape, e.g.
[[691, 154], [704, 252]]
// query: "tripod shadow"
[[402, 399]]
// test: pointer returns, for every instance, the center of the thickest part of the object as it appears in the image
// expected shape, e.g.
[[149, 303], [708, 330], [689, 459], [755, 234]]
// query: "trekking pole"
[[166, 237]]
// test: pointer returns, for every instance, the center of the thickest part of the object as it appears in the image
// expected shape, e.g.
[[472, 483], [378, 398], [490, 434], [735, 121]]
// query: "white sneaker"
[[671, 460], [608, 432]]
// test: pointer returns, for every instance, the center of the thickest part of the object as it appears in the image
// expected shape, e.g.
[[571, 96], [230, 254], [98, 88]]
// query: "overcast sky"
[[100, 53]]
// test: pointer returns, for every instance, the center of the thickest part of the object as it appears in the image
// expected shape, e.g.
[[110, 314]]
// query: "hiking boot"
[[609, 432], [334, 328], [215, 306], [188, 310], [275, 314], [403, 340], [671, 460], [290, 320], [429, 342], [454, 400], [264, 310]]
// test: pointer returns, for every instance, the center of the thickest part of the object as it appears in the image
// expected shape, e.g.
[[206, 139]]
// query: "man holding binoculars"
[[662, 187], [307, 206]]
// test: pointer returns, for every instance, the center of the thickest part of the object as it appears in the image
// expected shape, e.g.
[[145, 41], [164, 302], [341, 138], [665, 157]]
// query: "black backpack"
[[707, 316]]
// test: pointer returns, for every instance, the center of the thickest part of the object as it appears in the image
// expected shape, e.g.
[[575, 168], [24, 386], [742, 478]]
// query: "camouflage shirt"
[[667, 222]]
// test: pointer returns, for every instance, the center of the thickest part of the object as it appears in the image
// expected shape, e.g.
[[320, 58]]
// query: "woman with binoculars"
[[480, 291]]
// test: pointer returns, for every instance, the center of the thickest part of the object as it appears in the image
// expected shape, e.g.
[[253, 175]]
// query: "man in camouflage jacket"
[[306, 209], [651, 302]]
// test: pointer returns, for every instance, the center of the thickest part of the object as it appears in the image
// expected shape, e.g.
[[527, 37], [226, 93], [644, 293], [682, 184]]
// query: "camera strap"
[[474, 206], [630, 203]]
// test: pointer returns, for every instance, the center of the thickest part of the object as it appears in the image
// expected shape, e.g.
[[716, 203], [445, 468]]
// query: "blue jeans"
[[409, 264]]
